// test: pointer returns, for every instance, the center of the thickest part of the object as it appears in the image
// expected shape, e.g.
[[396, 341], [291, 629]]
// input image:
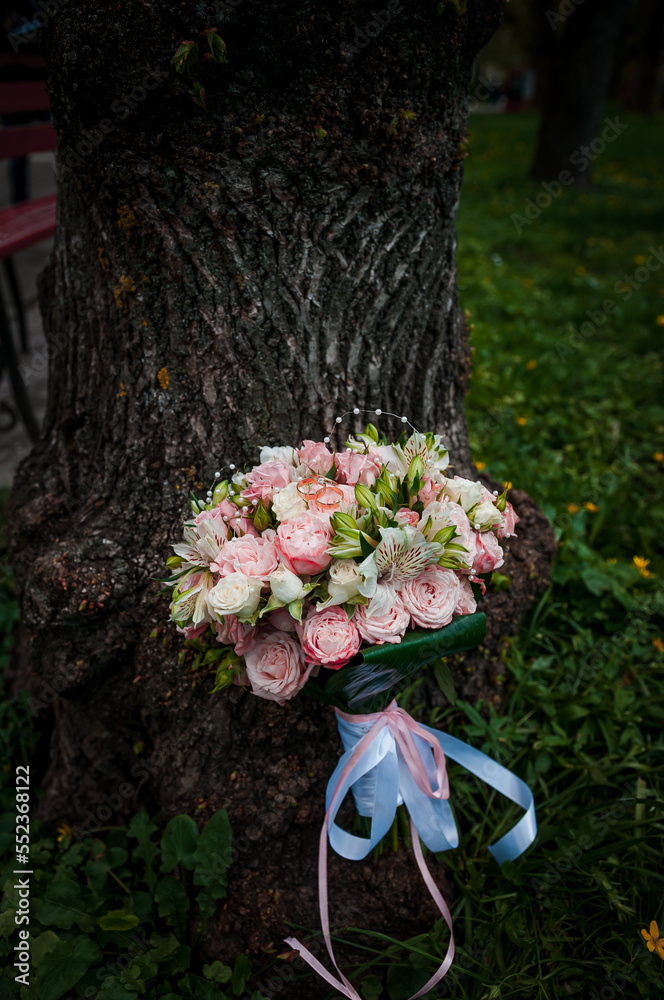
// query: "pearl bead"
[[356, 410], [216, 475], [326, 440], [404, 420], [338, 420], [378, 412], [495, 493], [231, 466]]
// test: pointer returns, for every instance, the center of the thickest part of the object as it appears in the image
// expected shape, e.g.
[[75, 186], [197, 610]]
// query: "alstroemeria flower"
[[401, 554]]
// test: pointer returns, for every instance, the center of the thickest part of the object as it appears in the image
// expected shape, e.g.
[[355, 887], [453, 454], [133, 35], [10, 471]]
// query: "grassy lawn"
[[574, 414]]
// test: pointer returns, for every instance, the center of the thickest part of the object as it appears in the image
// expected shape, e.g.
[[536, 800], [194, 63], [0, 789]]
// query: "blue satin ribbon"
[[385, 782]]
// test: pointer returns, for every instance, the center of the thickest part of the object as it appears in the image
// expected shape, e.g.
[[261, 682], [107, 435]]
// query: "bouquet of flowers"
[[316, 559], [339, 574]]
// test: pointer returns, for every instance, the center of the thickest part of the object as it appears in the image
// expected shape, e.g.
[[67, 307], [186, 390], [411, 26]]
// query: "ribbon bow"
[[404, 761]]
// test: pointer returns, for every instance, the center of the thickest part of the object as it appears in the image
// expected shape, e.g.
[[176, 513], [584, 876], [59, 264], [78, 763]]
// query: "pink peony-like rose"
[[407, 516], [276, 667], [488, 554], [282, 620], [303, 542], [249, 555], [387, 627], [353, 467], [234, 633], [237, 522], [510, 521], [266, 478], [316, 457], [431, 597], [329, 638], [466, 604]]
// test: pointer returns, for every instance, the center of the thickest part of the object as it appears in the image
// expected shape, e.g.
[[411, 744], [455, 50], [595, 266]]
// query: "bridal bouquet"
[[339, 574], [314, 560]]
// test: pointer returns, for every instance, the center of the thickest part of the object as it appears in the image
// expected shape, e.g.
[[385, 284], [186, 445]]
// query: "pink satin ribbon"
[[402, 727]]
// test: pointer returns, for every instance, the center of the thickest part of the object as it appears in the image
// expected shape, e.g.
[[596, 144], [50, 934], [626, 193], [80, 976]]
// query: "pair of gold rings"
[[322, 491]]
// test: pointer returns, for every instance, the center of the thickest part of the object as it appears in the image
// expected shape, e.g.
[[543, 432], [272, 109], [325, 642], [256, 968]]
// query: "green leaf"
[[422, 646], [212, 860], [387, 665], [371, 988], [444, 680], [217, 972], [217, 46], [63, 965], [241, 972], [42, 944], [172, 903], [66, 903], [118, 920], [179, 843]]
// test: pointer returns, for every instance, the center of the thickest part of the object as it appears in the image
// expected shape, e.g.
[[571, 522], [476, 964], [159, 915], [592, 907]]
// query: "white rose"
[[463, 491], [286, 586], [485, 516], [235, 595], [287, 503], [279, 454], [344, 582]]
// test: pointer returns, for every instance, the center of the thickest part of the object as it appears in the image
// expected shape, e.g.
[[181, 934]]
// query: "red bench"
[[23, 224]]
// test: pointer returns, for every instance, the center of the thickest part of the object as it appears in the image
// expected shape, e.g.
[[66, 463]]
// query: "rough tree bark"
[[578, 77], [221, 279]]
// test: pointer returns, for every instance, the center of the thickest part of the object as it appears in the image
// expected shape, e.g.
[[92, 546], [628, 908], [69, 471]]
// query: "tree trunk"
[[222, 279], [579, 74]]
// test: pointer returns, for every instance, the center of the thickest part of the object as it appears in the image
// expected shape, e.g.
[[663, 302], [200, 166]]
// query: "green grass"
[[578, 425]]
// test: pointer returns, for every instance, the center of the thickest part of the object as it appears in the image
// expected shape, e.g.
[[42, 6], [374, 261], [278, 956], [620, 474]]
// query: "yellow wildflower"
[[572, 507], [521, 421], [658, 643], [660, 320], [639, 259], [653, 941], [592, 507], [642, 566], [64, 832], [480, 465], [531, 364]]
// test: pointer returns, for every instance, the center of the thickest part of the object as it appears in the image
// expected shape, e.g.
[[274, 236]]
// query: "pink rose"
[[234, 633], [510, 521], [237, 522], [303, 542], [329, 638], [406, 516], [355, 468], [276, 667], [431, 597], [466, 604], [266, 478], [192, 631], [488, 554], [282, 620], [316, 457], [386, 627], [249, 556]]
